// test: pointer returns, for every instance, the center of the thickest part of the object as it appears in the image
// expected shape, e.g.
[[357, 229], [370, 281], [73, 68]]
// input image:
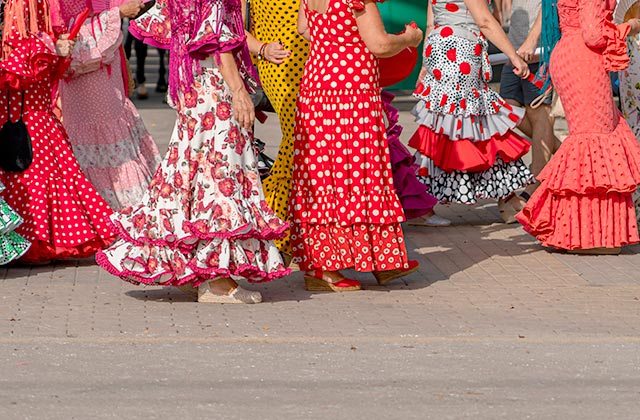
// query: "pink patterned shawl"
[[189, 46]]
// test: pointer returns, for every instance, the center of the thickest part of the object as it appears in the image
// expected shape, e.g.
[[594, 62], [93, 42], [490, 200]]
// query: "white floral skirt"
[[204, 215]]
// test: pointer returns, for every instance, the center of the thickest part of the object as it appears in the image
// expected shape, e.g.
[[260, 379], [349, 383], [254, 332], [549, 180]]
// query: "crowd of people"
[[342, 184]]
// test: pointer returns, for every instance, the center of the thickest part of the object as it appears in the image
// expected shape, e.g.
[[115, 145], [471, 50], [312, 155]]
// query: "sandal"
[[237, 295], [386, 277], [319, 281], [507, 209]]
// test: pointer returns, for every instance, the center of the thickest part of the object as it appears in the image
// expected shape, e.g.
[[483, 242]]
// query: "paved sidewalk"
[[490, 327]]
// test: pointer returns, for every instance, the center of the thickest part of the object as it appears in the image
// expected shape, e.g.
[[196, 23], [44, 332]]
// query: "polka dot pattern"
[[64, 216], [345, 209], [276, 20]]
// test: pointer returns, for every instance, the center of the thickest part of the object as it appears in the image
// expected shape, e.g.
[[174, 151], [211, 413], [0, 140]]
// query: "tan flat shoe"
[[386, 277], [236, 296]]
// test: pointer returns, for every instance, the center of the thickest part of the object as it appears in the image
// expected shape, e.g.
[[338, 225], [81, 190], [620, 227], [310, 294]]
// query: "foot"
[[226, 291], [509, 207], [142, 92], [161, 87], [386, 277], [431, 221], [329, 281], [188, 289]]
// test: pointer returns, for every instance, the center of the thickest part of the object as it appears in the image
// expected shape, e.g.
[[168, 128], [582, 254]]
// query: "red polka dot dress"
[[465, 141], [64, 216], [345, 209]]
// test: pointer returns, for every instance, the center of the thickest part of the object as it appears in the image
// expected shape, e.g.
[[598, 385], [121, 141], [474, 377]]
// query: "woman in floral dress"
[[345, 209], [109, 138], [64, 216], [204, 218], [466, 141]]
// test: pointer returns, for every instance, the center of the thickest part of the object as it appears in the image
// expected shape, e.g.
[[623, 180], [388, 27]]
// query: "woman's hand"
[[413, 34], [275, 53], [635, 26], [520, 67], [243, 109], [131, 9], [528, 50], [64, 46]]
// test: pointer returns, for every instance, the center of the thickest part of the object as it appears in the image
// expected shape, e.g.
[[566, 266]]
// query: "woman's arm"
[[242, 105], [494, 32], [376, 38], [303, 23], [430, 26]]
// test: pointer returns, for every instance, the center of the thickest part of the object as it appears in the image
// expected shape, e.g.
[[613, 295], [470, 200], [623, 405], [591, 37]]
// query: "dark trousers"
[[141, 50]]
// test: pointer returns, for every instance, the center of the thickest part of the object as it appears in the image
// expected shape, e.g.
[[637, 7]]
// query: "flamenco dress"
[[64, 216], [204, 215], [585, 200], [467, 149], [12, 245], [345, 209], [109, 138]]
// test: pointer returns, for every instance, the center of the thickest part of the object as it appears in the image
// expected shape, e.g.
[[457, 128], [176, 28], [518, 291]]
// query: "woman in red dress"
[[345, 209], [64, 216]]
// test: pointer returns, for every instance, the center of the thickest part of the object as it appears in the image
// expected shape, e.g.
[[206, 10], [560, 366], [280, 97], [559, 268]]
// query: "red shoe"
[[385, 277], [319, 281]]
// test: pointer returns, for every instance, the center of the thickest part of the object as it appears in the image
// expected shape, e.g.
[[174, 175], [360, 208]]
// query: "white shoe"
[[432, 221], [237, 295]]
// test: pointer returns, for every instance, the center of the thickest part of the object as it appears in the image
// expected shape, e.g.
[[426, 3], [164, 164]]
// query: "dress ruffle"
[[30, 60], [467, 155], [416, 201], [118, 155], [473, 127], [585, 199], [154, 26], [497, 182], [590, 163], [615, 53], [98, 42]]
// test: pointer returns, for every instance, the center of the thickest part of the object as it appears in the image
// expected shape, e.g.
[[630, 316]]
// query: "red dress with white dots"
[[345, 209], [64, 216]]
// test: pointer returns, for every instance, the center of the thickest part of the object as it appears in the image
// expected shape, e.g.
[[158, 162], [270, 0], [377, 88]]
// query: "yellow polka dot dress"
[[276, 20]]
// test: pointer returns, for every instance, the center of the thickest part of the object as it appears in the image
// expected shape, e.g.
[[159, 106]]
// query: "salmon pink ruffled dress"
[[585, 197]]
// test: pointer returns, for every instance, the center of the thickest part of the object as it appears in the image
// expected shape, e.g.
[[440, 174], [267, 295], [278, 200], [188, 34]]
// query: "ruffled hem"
[[466, 155], [44, 251], [474, 127], [9, 219], [498, 182], [573, 221], [12, 247], [213, 44], [169, 267], [615, 53], [199, 231], [362, 247], [415, 200], [347, 208], [590, 163]]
